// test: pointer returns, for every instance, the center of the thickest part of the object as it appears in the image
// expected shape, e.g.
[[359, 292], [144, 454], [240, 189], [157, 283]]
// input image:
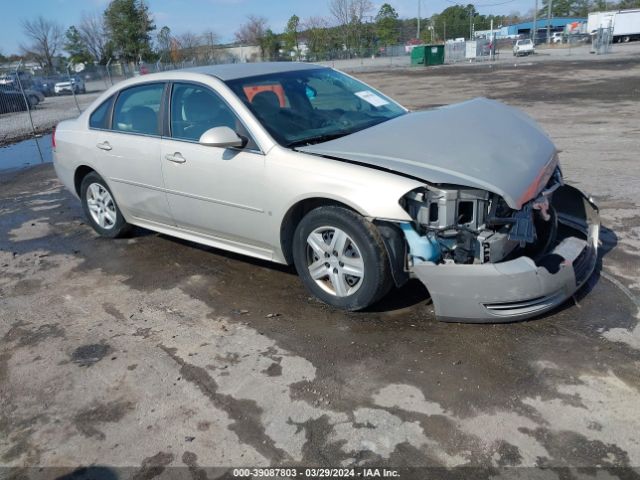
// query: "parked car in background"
[[301, 164], [11, 101], [11, 78], [44, 85], [523, 47], [556, 37], [34, 97], [75, 85]]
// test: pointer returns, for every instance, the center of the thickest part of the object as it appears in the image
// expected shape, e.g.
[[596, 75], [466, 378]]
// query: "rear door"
[[129, 151], [217, 192]]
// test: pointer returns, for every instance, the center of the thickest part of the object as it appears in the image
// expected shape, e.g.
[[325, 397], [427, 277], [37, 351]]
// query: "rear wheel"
[[341, 258], [100, 207]]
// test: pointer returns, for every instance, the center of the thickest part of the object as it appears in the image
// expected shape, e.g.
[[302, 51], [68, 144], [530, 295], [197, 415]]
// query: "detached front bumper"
[[520, 288]]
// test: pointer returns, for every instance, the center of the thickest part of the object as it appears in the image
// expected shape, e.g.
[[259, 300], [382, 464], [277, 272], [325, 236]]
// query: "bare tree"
[[189, 43], [163, 42], [46, 38], [316, 31], [253, 31], [94, 35], [348, 15], [359, 9], [340, 10]]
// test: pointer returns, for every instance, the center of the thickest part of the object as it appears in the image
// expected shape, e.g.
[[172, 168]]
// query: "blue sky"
[[222, 16]]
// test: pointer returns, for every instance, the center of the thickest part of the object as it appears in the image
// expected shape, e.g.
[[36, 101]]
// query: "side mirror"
[[222, 137]]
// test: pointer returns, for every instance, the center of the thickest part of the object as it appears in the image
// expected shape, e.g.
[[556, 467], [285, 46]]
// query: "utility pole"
[[549, 21], [534, 30], [493, 41], [211, 46], [444, 33], [471, 24], [418, 32]]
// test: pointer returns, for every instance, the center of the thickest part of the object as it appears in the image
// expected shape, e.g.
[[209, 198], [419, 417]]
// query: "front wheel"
[[341, 258], [100, 207]]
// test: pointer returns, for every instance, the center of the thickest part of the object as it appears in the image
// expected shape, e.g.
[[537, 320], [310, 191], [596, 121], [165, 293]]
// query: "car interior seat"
[[143, 120], [203, 111]]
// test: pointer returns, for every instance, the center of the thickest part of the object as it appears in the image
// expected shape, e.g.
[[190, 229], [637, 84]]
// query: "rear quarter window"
[[100, 116]]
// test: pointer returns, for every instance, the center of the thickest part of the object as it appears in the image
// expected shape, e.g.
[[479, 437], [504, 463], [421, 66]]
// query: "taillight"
[[53, 138]]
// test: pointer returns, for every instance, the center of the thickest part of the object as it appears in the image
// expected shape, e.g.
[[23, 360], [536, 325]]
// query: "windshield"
[[311, 106]]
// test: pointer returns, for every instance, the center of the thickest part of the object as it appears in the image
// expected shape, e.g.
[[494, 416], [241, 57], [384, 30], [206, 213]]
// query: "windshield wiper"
[[317, 139]]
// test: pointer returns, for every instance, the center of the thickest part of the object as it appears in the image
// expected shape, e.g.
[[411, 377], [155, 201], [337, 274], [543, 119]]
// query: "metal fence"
[[602, 40]]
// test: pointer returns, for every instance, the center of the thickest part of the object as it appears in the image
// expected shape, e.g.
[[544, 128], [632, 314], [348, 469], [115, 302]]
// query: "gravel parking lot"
[[152, 353]]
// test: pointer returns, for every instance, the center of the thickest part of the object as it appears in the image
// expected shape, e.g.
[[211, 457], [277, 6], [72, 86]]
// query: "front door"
[[215, 192]]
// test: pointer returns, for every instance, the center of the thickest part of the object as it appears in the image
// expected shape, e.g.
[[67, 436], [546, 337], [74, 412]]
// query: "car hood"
[[480, 143]]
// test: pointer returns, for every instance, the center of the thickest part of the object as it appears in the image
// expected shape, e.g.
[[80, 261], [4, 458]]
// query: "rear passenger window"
[[100, 116], [137, 109]]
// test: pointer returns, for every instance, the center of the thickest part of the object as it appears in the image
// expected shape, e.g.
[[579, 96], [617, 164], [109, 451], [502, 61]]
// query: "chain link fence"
[[602, 40]]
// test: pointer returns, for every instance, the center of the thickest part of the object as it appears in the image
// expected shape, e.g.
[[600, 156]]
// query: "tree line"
[[125, 30]]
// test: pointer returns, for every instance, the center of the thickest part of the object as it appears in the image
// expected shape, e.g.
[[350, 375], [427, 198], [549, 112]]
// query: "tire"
[[33, 101], [111, 223], [362, 251]]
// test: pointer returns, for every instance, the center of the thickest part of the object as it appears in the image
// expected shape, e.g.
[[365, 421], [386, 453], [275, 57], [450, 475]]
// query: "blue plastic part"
[[421, 248]]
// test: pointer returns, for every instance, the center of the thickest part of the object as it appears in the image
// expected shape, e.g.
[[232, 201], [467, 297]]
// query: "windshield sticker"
[[370, 97]]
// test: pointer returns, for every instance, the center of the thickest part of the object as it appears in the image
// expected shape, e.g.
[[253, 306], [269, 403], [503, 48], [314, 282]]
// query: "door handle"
[[104, 146], [175, 158]]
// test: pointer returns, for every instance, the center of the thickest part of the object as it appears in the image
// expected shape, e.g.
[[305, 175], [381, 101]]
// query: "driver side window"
[[195, 109]]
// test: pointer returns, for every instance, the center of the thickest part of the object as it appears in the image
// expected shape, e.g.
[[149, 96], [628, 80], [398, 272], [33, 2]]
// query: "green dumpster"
[[434, 54], [418, 55]]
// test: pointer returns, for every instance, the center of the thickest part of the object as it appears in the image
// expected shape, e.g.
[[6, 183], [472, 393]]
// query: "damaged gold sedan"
[[301, 164]]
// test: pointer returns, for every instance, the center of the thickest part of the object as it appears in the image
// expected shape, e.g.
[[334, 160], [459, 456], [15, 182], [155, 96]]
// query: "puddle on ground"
[[25, 154]]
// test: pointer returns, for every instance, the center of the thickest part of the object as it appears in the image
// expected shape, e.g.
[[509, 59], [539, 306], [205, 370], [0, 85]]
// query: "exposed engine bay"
[[461, 225]]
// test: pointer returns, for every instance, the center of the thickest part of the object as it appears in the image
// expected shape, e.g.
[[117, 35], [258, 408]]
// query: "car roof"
[[234, 71]]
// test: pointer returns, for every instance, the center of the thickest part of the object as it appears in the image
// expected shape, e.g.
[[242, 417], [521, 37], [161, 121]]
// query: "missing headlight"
[[465, 212]]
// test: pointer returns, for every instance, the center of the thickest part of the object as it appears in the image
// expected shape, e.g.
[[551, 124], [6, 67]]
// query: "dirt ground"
[[153, 353]]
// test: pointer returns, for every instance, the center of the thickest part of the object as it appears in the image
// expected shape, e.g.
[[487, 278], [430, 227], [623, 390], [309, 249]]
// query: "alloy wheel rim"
[[101, 206], [334, 261]]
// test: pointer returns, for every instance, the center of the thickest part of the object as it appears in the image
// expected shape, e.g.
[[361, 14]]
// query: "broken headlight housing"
[[475, 226]]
